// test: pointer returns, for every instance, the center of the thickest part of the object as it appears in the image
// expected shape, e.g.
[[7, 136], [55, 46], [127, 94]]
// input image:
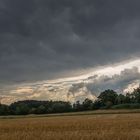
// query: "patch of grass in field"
[[95, 112], [80, 127]]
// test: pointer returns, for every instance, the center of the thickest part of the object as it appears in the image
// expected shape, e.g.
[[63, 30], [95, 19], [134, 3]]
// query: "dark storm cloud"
[[41, 38]]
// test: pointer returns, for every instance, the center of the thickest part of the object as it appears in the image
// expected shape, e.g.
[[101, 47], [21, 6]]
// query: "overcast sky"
[[51, 39]]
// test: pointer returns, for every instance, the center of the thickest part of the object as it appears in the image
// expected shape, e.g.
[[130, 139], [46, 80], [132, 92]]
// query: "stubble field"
[[78, 127]]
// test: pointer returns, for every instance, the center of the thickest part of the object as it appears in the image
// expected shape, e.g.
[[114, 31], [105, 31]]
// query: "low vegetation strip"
[[96, 112]]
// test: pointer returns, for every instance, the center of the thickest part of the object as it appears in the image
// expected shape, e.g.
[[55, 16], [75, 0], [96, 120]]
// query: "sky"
[[68, 49]]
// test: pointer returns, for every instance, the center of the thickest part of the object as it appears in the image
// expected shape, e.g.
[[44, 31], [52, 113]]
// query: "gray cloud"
[[118, 82], [41, 39], [72, 90]]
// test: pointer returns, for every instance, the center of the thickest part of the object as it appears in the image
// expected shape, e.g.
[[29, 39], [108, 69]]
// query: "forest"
[[108, 99]]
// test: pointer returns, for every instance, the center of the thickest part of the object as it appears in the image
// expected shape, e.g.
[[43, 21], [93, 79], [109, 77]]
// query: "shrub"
[[126, 106]]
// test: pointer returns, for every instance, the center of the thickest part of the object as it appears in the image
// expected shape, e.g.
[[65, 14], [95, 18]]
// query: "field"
[[100, 125]]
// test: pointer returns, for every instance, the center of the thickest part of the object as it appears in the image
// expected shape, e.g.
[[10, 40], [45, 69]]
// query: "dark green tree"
[[87, 104], [77, 106], [97, 104], [41, 110], [121, 99], [108, 97], [4, 110], [22, 109], [136, 95]]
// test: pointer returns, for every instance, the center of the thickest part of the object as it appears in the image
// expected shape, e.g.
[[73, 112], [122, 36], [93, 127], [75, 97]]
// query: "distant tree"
[[41, 110], [59, 107], [87, 104], [121, 99], [136, 95], [77, 106], [97, 104], [108, 97], [4, 110], [22, 109], [128, 98], [32, 110]]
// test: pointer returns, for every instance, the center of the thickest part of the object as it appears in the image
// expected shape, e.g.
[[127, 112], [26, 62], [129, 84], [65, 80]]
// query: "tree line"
[[108, 99]]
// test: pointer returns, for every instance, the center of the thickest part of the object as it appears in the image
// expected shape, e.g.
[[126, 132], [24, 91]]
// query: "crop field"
[[72, 127]]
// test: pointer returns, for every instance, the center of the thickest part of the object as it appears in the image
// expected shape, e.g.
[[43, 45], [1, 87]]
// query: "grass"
[[127, 106], [98, 125], [95, 112]]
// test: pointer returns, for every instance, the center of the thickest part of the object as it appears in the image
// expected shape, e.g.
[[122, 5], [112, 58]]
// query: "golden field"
[[75, 127]]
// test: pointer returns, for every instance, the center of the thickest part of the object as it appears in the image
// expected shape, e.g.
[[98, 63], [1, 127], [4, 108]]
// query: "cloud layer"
[[122, 78], [45, 39]]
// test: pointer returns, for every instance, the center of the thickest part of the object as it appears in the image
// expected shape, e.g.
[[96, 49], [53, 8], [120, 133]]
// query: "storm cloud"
[[74, 89], [45, 39], [68, 49]]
